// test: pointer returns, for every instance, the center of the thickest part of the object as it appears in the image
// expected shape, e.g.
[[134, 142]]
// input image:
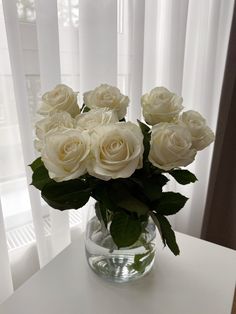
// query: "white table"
[[200, 281]]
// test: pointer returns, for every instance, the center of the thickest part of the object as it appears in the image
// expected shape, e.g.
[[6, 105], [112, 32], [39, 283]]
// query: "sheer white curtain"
[[134, 44], [185, 50]]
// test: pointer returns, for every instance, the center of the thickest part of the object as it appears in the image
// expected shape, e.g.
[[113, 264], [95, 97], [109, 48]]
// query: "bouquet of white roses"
[[93, 152]]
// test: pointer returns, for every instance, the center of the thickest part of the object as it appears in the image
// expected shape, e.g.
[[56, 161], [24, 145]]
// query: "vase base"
[[118, 269]]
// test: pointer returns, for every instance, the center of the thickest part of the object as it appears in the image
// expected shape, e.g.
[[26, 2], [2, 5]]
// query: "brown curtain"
[[219, 225]]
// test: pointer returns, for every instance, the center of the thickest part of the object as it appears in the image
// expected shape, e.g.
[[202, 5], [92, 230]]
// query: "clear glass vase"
[[119, 265]]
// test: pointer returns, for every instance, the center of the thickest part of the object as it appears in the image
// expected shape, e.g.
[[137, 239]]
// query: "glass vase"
[[119, 265]]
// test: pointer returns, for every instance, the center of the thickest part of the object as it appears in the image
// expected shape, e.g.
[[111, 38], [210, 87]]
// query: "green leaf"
[[40, 177], [168, 235], [144, 128], [101, 213], [86, 109], [36, 163], [71, 194], [151, 188], [125, 230], [119, 189], [82, 108], [161, 179], [101, 194], [132, 204], [156, 222], [183, 176], [141, 261], [170, 203], [146, 138], [123, 193]]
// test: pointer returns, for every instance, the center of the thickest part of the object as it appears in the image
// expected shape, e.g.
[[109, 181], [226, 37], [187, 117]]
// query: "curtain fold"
[[48, 44], [50, 76], [203, 72], [25, 126], [164, 51], [97, 43], [6, 286], [164, 47], [136, 45], [137, 13]]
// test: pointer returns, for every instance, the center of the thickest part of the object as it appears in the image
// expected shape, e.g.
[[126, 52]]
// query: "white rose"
[[61, 98], [202, 135], [117, 151], [109, 97], [95, 117], [65, 154], [56, 121], [160, 105], [171, 146]]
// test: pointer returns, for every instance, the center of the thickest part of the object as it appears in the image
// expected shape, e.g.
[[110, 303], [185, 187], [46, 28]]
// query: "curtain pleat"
[[26, 132], [184, 50], [48, 44], [6, 286], [137, 13], [150, 45], [98, 43], [50, 76], [201, 88], [69, 46], [164, 48], [170, 43]]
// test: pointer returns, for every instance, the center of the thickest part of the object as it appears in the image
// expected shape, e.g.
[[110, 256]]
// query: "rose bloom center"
[[177, 140], [116, 149], [69, 147]]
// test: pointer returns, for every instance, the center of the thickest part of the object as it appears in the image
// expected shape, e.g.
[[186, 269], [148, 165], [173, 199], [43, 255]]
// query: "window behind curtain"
[[13, 185]]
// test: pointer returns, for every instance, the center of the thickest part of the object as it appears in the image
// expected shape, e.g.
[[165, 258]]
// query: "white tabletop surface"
[[199, 281]]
